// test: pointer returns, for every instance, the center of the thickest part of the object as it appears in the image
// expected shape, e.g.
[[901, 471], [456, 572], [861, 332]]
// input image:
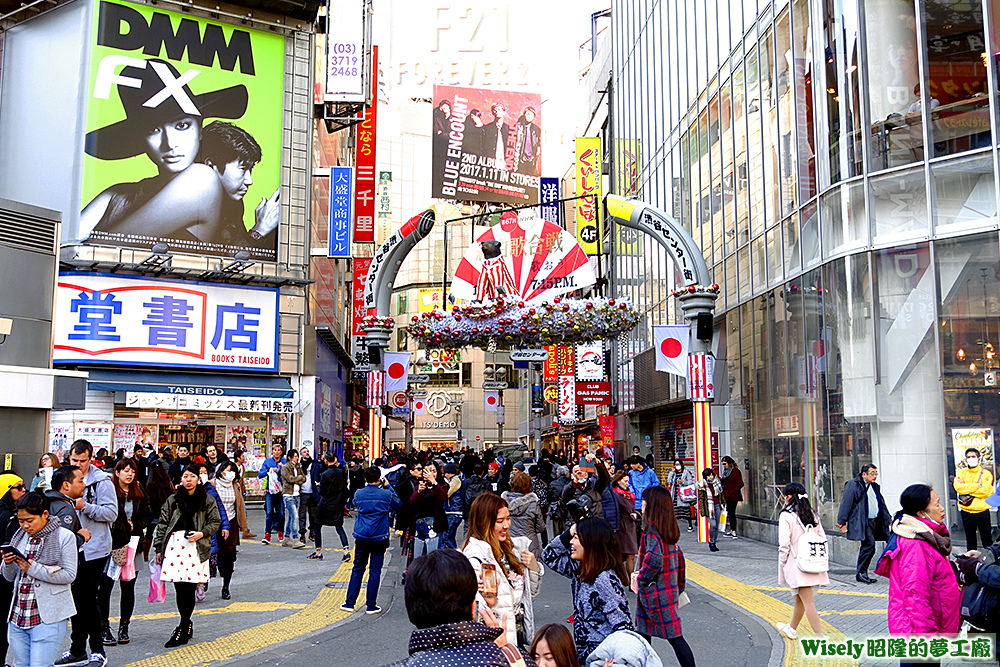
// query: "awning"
[[190, 384]]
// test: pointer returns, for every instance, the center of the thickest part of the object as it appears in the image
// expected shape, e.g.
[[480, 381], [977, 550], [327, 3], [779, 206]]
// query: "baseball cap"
[[494, 466], [7, 482]]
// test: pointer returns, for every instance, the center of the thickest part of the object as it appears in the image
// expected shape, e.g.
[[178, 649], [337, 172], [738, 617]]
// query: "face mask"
[[203, 477], [678, 468], [229, 475], [972, 462]]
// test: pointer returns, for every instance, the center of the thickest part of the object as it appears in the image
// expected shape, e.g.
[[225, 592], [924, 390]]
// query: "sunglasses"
[[19, 487]]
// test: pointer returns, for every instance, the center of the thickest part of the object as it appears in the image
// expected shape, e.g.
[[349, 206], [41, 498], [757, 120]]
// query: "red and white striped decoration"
[[700, 370], [376, 389]]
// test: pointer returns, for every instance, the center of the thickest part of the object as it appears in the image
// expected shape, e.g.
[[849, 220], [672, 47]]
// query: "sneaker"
[[315, 556], [267, 538], [787, 630], [346, 607], [286, 542], [70, 660], [735, 536], [373, 610], [248, 535], [712, 547], [281, 537], [690, 529], [298, 544], [97, 660], [347, 557]]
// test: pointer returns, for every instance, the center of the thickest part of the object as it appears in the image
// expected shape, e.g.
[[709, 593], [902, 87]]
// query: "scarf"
[[726, 472], [629, 495], [913, 528], [50, 551]]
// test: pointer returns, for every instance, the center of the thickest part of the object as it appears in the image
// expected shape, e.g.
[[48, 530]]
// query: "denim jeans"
[[37, 647], [423, 543], [713, 524], [274, 510], [448, 539], [292, 517], [362, 550]]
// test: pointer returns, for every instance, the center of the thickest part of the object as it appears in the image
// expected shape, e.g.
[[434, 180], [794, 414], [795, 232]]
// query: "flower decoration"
[[371, 321], [693, 289], [513, 323]]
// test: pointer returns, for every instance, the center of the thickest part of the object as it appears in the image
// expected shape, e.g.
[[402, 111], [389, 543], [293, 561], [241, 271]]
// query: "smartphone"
[[489, 579], [188, 534], [10, 549]]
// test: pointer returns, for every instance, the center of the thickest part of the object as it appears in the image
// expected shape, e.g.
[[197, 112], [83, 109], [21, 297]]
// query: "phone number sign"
[[104, 319]]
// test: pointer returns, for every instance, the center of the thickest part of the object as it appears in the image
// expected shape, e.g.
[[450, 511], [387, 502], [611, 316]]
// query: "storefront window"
[[897, 135], [802, 53], [899, 207], [968, 272], [957, 90], [965, 196], [844, 223]]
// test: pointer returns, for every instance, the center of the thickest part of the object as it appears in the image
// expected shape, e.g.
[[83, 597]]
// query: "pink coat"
[[923, 593], [790, 529]]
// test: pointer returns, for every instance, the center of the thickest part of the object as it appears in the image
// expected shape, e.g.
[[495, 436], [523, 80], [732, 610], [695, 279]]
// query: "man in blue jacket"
[[640, 478], [274, 510], [374, 502]]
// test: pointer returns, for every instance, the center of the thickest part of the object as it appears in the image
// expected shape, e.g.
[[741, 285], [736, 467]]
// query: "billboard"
[[364, 175], [588, 182], [486, 145], [134, 321], [183, 142], [345, 62], [341, 213]]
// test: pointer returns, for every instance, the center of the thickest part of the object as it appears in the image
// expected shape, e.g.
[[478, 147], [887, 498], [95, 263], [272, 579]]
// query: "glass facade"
[[836, 161]]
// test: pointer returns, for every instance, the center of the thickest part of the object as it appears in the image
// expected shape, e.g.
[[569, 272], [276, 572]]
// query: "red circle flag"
[[396, 371], [671, 348], [491, 400], [419, 405]]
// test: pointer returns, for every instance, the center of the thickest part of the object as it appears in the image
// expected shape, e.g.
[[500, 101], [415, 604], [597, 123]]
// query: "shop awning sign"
[[148, 401]]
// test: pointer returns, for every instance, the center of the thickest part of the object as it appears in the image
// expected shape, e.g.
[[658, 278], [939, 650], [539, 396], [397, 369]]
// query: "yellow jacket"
[[965, 484]]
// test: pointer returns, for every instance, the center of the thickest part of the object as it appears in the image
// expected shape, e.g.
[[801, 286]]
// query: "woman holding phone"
[[188, 520], [42, 565], [46, 465], [509, 573], [11, 490]]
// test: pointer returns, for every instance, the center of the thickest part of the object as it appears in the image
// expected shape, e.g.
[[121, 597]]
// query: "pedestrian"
[[732, 493], [498, 483], [98, 509], [188, 520], [641, 477], [795, 517], [333, 499], [12, 488], [374, 502], [475, 485], [526, 518], [239, 458], [67, 486], [583, 495], [557, 508], [133, 517], [43, 602], [683, 492], [404, 488], [228, 539], [141, 463], [454, 507], [589, 556], [660, 578], [553, 647], [441, 601], [710, 504], [214, 457], [274, 506], [924, 597], [309, 495], [291, 483], [627, 518], [158, 489], [864, 518], [974, 484], [206, 480], [180, 462], [489, 546], [541, 489], [42, 482]]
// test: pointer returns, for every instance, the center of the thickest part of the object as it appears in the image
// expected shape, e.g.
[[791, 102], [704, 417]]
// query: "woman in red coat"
[[659, 580], [732, 491]]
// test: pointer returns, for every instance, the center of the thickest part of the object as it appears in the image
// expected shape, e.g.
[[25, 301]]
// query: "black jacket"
[[854, 511], [333, 496], [474, 486]]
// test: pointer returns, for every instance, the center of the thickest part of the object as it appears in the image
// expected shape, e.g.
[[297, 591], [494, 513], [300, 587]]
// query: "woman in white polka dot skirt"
[[183, 546]]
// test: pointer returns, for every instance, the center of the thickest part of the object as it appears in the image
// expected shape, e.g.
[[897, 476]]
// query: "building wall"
[[854, 231]]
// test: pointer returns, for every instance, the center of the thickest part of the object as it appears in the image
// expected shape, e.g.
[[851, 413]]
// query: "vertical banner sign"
[[384, 194], [700, 370], [358, 312], [364, 184], [567, 385], [345, 51], [607, 423], [590, 360], [551, 364], [548, 196], [588, 182], [341, 210]]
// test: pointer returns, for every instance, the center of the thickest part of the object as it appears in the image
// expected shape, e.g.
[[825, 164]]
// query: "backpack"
[[811, 551], [981, 603]]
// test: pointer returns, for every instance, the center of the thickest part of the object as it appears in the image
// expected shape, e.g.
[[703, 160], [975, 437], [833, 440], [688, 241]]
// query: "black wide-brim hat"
[[127, 138]]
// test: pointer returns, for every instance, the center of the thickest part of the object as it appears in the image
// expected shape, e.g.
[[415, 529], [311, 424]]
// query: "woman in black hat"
[[183, 201]]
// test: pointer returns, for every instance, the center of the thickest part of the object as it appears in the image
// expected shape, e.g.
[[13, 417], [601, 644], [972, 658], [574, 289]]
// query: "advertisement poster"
[[976, 438], [486, 145], [588, 182], [96, 433], [60, 438], [126, 435], [108, 319], [183, 143]]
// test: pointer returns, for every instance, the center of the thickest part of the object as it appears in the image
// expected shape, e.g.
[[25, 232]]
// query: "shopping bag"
[[723, 517], [128, 569], [157, 589]]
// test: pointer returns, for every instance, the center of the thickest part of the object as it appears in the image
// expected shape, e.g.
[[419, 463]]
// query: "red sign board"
[[607, 432], [358, 310], [593, 393], [364, 174], [399, 399], [550, 369]]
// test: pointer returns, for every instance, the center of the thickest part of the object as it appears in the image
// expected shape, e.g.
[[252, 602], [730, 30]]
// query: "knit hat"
[[494, 466], [7, 482], [450, 469]]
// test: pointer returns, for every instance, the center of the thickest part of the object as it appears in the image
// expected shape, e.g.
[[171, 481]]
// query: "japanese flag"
[[492, 400], [419, 406], [671, 344], [397, 370]]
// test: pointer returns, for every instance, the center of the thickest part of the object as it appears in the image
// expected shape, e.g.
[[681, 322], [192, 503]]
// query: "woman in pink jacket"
[[924, 596], [792, 522]]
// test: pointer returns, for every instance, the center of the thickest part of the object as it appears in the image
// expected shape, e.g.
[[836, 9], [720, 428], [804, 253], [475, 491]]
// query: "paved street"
[[285, 611]]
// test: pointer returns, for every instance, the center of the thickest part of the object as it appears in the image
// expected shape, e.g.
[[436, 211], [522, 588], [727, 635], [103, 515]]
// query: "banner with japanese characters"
[[486, 145], [550, 208], [183, 143], [341, 212], [134, 321], [588, 182], [358, 311], [153, 401], [364, 174]]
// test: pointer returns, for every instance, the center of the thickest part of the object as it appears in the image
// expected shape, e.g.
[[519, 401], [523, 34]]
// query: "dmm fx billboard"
[[183, 143], [104, 319]]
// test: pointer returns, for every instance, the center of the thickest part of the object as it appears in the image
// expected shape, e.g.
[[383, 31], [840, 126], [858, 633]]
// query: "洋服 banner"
[[550, 208], [183, 143], [486, 145], [588, 182], [341, 212], [104, 319]]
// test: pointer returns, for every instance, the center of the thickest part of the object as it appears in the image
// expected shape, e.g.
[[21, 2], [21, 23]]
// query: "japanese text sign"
[[345, 51], [103, 319], [150, 401], [549, 197], [551, 364], [341, 211], [588, 182], [358, 312], [364, 177]]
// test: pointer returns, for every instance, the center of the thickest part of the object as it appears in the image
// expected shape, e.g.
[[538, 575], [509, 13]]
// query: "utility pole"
[[536, 409]]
